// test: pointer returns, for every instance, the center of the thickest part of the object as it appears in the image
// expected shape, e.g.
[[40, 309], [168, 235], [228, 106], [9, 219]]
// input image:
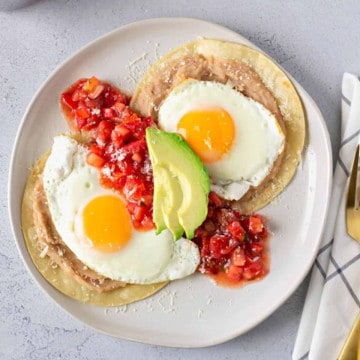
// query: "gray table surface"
[[316, 41]]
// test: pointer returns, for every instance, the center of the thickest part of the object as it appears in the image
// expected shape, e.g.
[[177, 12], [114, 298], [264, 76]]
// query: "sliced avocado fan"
[[181, 184]]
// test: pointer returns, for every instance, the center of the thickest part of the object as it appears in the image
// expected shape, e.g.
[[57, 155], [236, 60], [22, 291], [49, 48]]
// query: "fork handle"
[[350, 349]]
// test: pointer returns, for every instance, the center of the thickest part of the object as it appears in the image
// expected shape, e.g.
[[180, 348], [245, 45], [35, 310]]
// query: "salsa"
[[233, 247], [86, 102], [117, 143]]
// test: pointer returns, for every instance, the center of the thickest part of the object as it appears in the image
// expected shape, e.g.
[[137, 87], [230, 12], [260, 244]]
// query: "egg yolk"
[[209, 132], [106, 222]]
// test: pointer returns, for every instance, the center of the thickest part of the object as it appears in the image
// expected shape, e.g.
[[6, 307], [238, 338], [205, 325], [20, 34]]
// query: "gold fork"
[[352, 204], [350, 350]]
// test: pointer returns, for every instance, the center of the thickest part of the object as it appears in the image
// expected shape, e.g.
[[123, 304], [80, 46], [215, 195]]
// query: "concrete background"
[[316, 42]]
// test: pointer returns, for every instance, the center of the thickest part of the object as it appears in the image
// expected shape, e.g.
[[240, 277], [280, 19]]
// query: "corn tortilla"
[[171, 69], [55, 276]]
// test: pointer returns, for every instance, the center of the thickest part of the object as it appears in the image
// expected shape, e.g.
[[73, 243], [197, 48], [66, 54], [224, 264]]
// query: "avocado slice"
[[169, 210], [187, 185], [159, 193], [166, 187]]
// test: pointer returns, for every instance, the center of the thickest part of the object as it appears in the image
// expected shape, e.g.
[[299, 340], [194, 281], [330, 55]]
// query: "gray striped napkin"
[[333, 299]]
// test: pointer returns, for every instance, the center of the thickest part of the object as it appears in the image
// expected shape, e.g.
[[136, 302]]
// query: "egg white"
[[69, 183], [258, 141]]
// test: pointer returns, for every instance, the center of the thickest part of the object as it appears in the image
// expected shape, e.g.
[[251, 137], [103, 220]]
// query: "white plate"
[[192, 312]]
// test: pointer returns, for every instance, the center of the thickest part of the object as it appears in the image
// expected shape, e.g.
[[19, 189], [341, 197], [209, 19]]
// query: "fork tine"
[[350, 201]]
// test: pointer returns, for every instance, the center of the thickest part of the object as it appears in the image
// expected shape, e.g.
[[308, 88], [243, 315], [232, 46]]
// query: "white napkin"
[[333, 299]]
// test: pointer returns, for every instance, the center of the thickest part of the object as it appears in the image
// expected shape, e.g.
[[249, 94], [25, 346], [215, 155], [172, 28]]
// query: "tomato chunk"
[[238, 257], [95, 160], [255, 225], [234, 272], [91, 84], [236, 230], [68, 101]]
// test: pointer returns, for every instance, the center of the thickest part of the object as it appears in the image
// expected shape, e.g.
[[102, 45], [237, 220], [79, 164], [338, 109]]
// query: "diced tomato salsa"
[[88, 101], [117, 147], [233, 247]]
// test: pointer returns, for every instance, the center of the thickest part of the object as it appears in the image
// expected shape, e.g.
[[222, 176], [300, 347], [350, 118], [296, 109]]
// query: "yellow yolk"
[[209, 132], [106, 222]]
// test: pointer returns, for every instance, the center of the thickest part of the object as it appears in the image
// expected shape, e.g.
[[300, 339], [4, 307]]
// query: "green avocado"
[[167, 188], [159, 193], [181, 184]]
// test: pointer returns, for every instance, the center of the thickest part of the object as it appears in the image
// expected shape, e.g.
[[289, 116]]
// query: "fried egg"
[[237, 138], [95, 224]]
